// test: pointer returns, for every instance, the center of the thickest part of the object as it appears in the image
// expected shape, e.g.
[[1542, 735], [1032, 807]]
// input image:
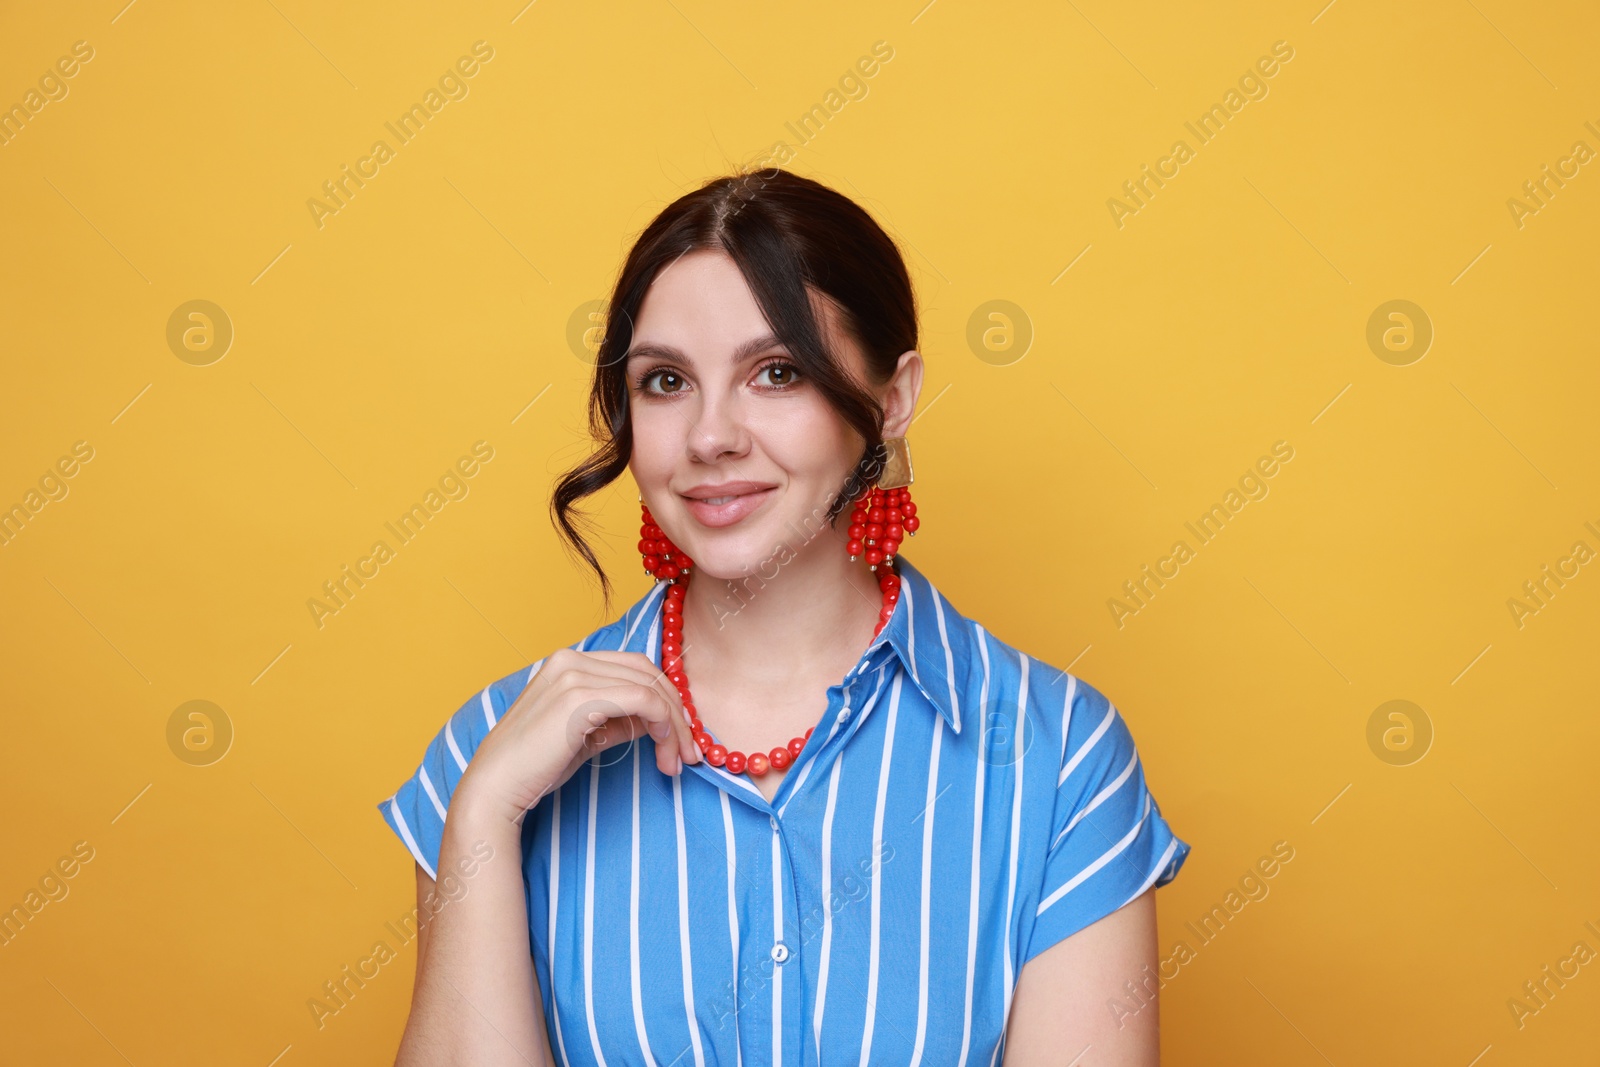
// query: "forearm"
[[477, 998]]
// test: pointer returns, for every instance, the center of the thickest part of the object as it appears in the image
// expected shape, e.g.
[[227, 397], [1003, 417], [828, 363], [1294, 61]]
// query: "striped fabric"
[[959, 808]]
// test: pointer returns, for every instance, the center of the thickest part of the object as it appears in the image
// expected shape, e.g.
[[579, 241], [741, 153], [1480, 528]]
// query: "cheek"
[[656, 444]]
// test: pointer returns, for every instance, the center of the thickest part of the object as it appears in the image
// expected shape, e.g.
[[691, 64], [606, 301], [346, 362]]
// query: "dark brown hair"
[[789, 236]]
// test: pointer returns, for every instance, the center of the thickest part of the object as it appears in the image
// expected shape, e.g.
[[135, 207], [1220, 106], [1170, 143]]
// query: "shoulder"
[[630, 631], [417, 809]]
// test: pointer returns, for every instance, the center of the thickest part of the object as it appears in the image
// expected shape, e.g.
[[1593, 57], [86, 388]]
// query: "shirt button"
[[774, 823], [780, 952], [844, 716]]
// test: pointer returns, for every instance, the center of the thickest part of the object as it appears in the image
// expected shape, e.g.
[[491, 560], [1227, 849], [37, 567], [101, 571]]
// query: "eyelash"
[[639, 382]]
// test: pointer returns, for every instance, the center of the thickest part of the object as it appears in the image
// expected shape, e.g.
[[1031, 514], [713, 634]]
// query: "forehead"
[[700, 304]]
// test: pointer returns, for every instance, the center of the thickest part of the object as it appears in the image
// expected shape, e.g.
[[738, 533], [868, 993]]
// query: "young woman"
[[792, 807]]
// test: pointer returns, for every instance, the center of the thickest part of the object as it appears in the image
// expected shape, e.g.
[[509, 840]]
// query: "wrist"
[[481, 812]]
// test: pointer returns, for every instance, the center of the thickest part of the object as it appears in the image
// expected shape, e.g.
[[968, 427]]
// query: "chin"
[[757, 546]]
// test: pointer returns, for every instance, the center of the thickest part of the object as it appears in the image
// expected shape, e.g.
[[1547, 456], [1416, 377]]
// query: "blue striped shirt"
[[960, 807]]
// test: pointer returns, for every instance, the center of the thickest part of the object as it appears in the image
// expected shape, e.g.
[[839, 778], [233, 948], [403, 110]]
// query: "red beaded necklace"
[[870, 521]]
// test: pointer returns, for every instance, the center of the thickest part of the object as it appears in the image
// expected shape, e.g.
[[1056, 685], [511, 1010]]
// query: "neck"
[[815, 614]]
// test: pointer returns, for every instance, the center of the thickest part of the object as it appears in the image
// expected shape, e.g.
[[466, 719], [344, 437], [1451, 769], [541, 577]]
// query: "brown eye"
[[667, 375], [781, 375]]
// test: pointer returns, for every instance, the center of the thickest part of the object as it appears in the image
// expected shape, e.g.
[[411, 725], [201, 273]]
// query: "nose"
[[717, 431]]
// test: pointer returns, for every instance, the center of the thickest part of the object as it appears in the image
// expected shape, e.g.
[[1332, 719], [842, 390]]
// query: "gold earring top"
[[897, 464]]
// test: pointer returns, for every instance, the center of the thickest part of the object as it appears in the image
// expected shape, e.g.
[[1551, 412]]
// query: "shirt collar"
[[934, 641]]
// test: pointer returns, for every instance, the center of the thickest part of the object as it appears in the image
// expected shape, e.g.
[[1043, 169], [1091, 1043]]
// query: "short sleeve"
[[1108, 840], [416, 811]]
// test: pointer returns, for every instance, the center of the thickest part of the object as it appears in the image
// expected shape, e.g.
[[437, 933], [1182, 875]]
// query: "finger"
[[639, 664], [626, 711], [626, 729]]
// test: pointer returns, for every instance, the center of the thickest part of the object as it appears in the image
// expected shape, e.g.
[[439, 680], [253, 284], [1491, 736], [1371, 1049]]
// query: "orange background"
[[1139, 371]]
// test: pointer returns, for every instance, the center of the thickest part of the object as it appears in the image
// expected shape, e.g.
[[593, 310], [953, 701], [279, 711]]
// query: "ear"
[[900, 395]]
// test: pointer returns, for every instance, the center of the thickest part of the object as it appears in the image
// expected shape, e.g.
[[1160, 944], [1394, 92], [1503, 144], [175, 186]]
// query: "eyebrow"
[[745, 352]]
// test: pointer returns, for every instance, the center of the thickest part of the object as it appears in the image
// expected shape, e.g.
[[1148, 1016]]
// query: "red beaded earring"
[[883, 514]]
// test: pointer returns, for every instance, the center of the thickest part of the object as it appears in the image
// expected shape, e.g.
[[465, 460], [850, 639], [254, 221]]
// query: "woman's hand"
[[576, 705]]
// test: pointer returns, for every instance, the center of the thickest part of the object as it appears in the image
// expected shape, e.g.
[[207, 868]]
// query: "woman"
[[846, 824]]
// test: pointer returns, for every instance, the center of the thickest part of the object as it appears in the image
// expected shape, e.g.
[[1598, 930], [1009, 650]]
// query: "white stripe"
[[927, 885], [1172, 846], [588, 910], [949, 662], [555, 899], [1066, 718], [1083, 750], [643, 611], [877, 883], [488, 707], [827, 902], [1099, 798], [911, 632], [739, 780], [777, 935], [977, 856], [455, 749], [683, 920], [405, 835], [733, 917], [427, 787], [633, 921], [1016, 832], [1110, 854]]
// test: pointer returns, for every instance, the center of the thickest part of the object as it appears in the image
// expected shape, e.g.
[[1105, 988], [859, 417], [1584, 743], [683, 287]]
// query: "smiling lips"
[[726, 503]]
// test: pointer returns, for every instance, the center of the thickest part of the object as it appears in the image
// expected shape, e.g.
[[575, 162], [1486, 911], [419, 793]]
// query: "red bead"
[[756, 764], [716, 755], [735, 763], [874, 554], [808, 732], [695, 725], [911, 523], [779, 758], [651, 563], [795, 746], [909, 508], [877, 514], [874, 530], [678, 678], [703, 739], [854, 548], [856, 531]]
